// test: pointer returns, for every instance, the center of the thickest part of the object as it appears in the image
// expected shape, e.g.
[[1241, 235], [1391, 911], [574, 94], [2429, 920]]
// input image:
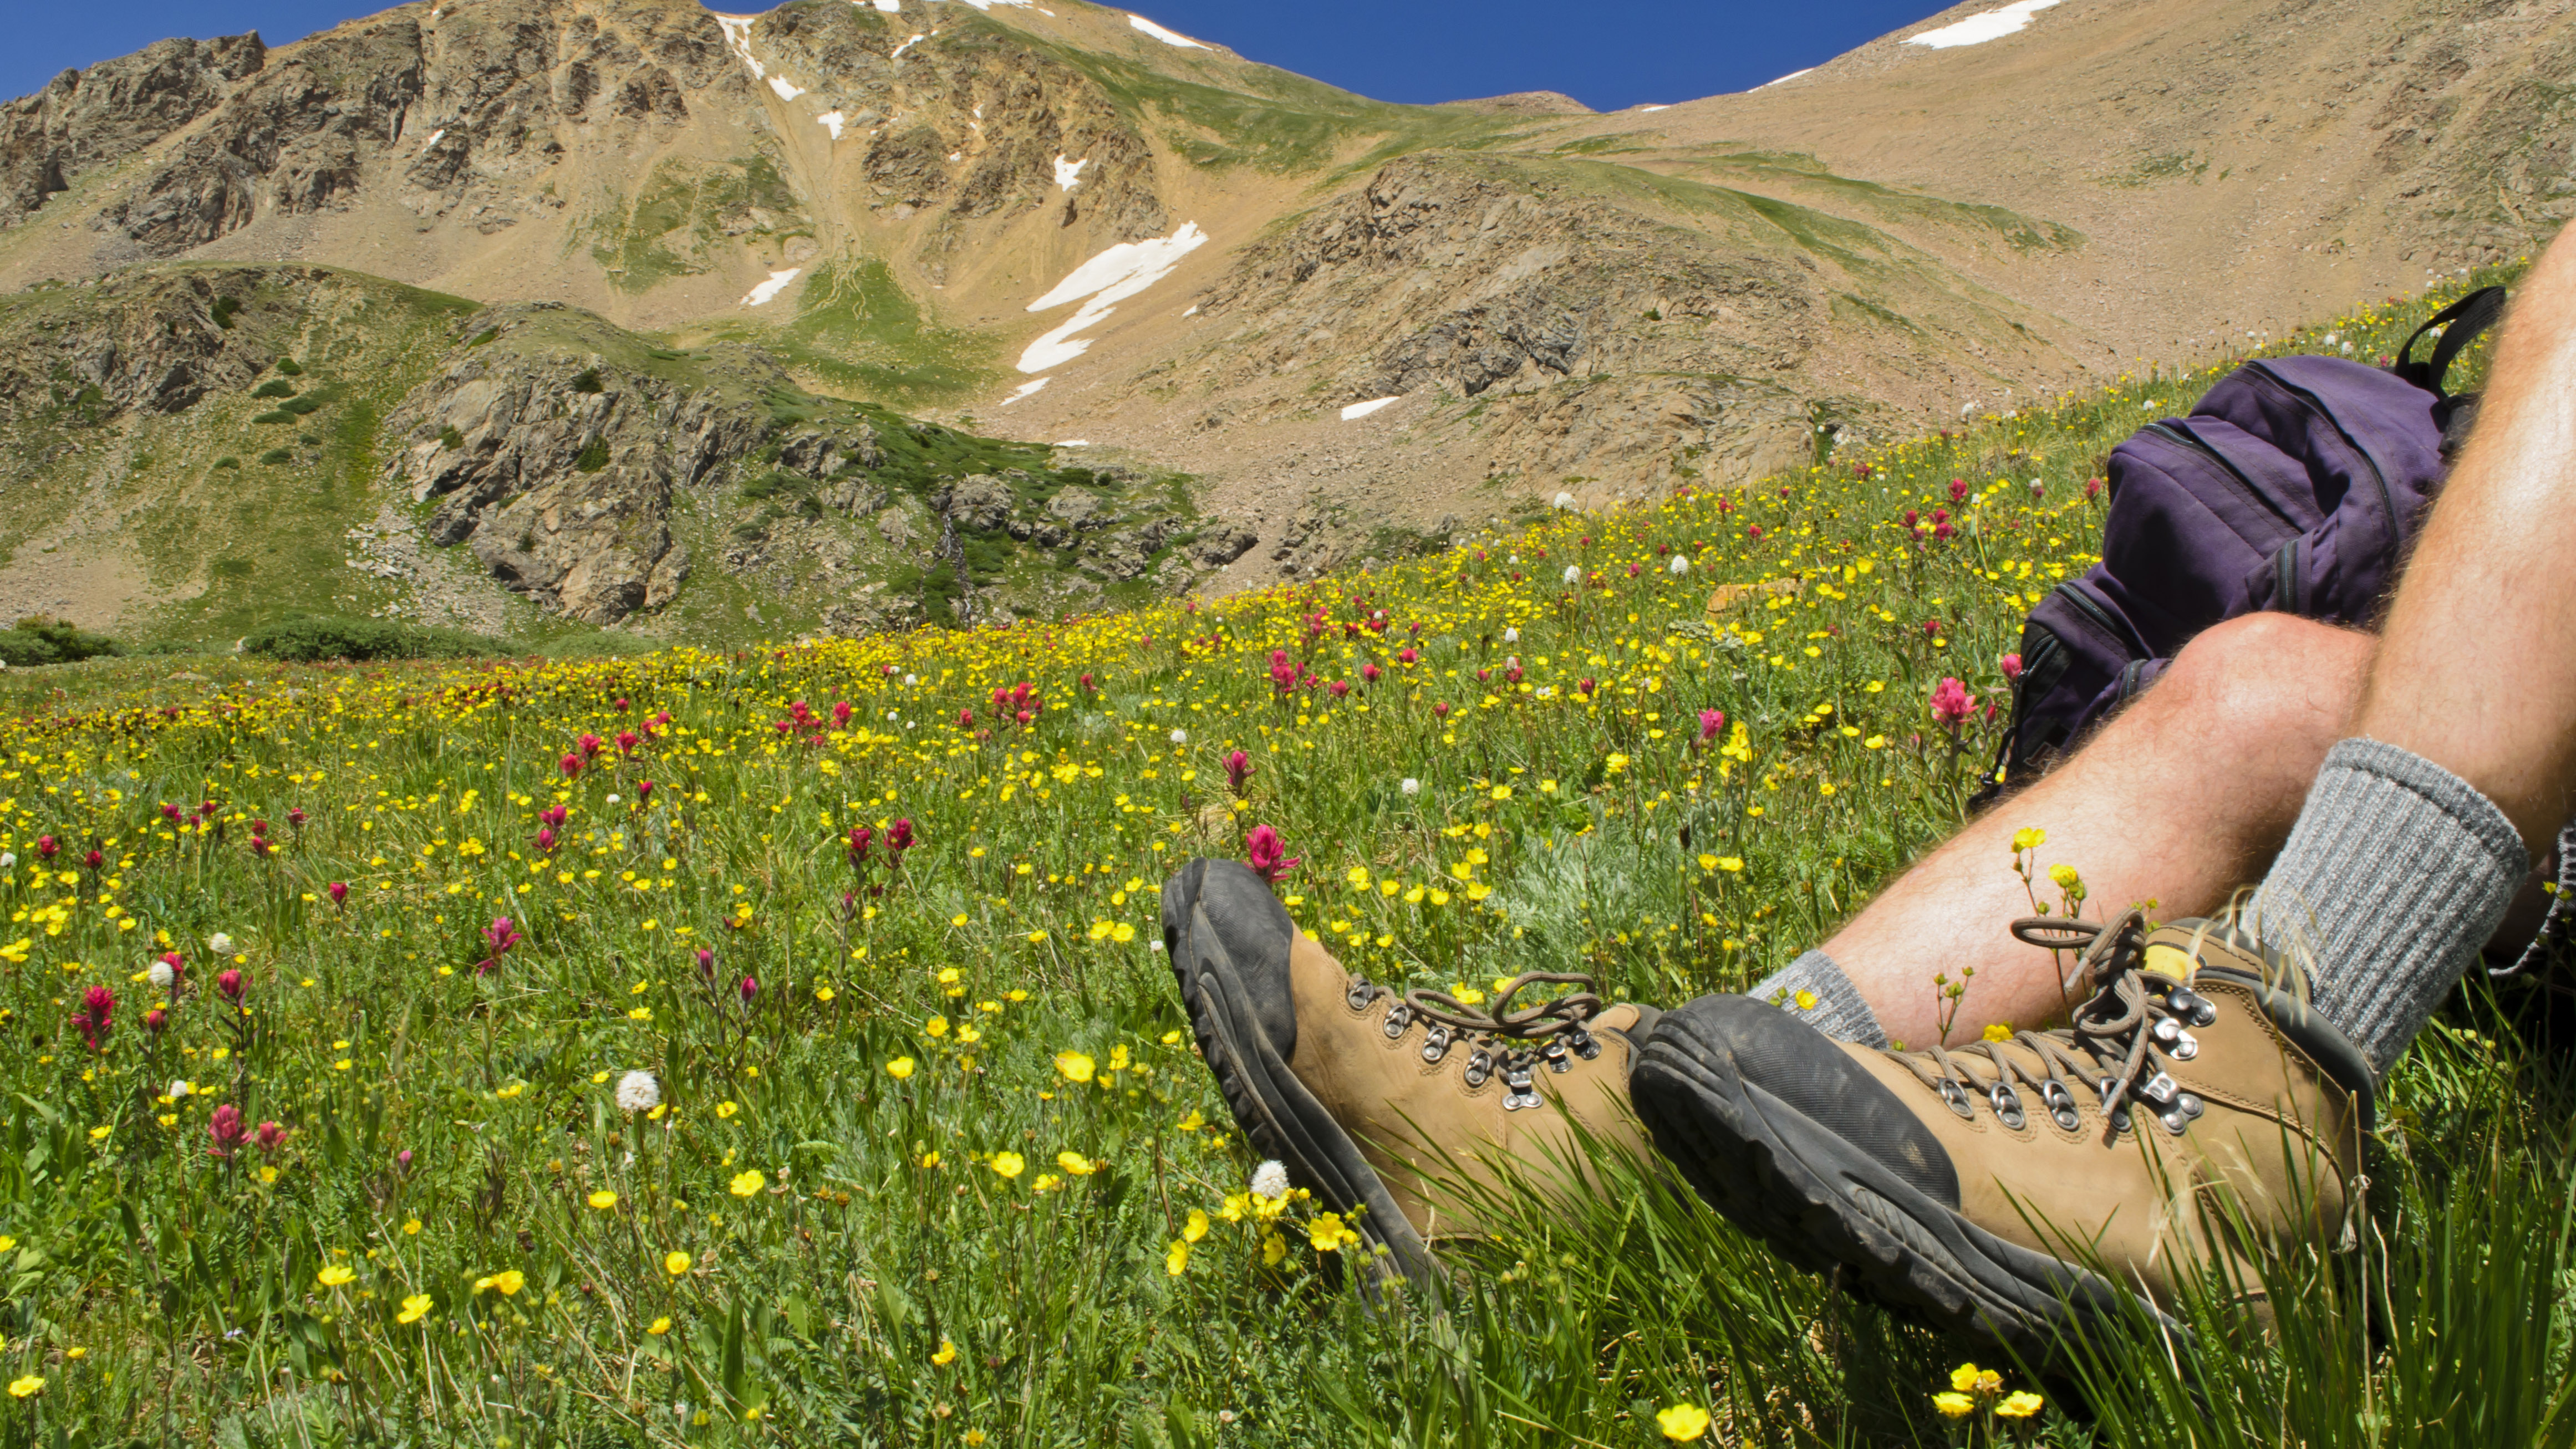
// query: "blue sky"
[[1605, 53]]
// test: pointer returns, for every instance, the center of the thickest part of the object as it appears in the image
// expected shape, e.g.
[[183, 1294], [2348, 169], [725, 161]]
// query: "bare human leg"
[[2236, 727], [2462, 761]]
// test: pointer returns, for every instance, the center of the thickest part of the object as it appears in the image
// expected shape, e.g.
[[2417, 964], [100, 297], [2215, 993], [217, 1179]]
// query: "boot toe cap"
[[1218, 915], [1776, 1077]]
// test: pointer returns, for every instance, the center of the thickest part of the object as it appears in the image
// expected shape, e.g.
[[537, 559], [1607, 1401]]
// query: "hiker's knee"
[[2269, 677]]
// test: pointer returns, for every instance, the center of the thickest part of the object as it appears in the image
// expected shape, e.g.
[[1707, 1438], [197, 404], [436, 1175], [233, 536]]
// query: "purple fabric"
[[2294, 486]]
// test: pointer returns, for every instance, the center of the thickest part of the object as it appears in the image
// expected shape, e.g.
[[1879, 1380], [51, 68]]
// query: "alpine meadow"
[[776, 1045]]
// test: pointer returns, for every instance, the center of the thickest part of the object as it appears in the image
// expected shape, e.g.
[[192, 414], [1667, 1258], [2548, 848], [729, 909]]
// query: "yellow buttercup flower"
[[1076, 1164], [900, 1068], [745, 1184], [603, 1199], [333, 1276], [1329, 1234], [2020, 1405], [415, 1307], [675, 1263], [1196, 1228], [1954, 1405], [1176, 1257], [1075, 1066], [1008, 1164], [1682, 1422], [946, 1355], [661, 1325], [26, 1388]]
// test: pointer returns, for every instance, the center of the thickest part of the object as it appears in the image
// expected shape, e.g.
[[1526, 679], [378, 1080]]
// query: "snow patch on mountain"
[[1174, 37], [1978, 29], [737, 34], [777, 283], [1109, 278]]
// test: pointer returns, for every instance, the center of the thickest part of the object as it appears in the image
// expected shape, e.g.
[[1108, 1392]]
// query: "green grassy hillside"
[[924, 1156]]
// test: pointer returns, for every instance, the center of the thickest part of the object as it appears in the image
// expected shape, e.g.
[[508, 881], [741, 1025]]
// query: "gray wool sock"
[[2396, 873], [1838, 1011]]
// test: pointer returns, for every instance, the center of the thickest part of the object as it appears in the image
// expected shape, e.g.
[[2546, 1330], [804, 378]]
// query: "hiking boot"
[[1385, 1107], [2192, 1104]]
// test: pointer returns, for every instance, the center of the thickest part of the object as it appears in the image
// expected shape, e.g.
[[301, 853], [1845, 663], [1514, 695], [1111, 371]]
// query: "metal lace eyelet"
[[2183, 1001], [1398, 1017], [1584, 1045], [1557, 1057], [2061, 1107], [1360, 994], [2167, 1031], [2007, 1105], [2120, 1118], [1521, 1101], [1480, 1070], [2185, 1047], [1435, 1045], [2159, 1089], [2175, 1121], [1957, 1097], [2189, 1105]]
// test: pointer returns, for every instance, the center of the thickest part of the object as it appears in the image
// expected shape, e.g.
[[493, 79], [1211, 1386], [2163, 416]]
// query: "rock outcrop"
[[48, 140]]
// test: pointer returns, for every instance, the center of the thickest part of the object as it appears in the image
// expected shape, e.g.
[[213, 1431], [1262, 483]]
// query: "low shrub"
[[315, 638], [274, 387], [40, 640]]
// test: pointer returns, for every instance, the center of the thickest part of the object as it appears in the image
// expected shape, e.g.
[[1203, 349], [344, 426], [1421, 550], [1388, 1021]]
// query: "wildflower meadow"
[[776, 1045]]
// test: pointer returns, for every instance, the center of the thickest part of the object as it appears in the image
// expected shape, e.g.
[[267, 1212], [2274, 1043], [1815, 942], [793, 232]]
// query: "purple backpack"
[[2295, 486]]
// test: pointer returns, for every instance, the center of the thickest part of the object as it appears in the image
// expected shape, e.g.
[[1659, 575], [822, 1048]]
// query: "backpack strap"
[[2462, 323]]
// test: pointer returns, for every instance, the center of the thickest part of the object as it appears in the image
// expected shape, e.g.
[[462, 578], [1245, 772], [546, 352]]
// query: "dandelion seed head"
[[1270, 1180], [638, 1092]]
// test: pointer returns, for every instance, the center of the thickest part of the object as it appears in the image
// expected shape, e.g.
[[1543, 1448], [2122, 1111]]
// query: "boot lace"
[[1500, 1039], [2115, 1045]]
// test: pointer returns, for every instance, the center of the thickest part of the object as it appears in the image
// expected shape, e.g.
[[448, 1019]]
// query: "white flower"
[[910, 679], [8, 859], [220, 944], [1511, 636], [1411, 786], [162, 976], [612, 799], [180, 1088], [1680, 565], [638, 1092], [1270, 1180], [1547, 691], [1573, 574], [1180, 737], [1565, 500]]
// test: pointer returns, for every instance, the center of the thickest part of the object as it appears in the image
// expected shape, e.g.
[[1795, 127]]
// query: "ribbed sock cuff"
[[1819, 994], [2396, 873]]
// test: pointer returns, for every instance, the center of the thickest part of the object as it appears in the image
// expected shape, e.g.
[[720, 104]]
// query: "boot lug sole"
[[1275, 1110], [1906, 1250]]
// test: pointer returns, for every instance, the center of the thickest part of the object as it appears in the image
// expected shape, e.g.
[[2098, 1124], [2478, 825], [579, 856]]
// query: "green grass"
[[445, 1129]]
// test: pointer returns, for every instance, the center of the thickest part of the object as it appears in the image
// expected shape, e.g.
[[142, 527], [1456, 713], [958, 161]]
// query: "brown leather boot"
[[2192, 1100], [1383, 1107]]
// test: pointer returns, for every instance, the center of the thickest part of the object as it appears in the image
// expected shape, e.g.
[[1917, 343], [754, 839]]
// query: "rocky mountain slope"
[[190, 450], [1358, 327]]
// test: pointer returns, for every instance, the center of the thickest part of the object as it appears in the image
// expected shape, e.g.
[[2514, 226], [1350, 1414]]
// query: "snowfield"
[[1168, 37], [777, 283], [1978, 29], [1109, 278]]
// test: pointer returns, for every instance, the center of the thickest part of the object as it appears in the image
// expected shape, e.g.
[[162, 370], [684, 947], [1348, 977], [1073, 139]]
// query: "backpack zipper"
[[2245, 485], [2093, 611], [2308, 400]]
